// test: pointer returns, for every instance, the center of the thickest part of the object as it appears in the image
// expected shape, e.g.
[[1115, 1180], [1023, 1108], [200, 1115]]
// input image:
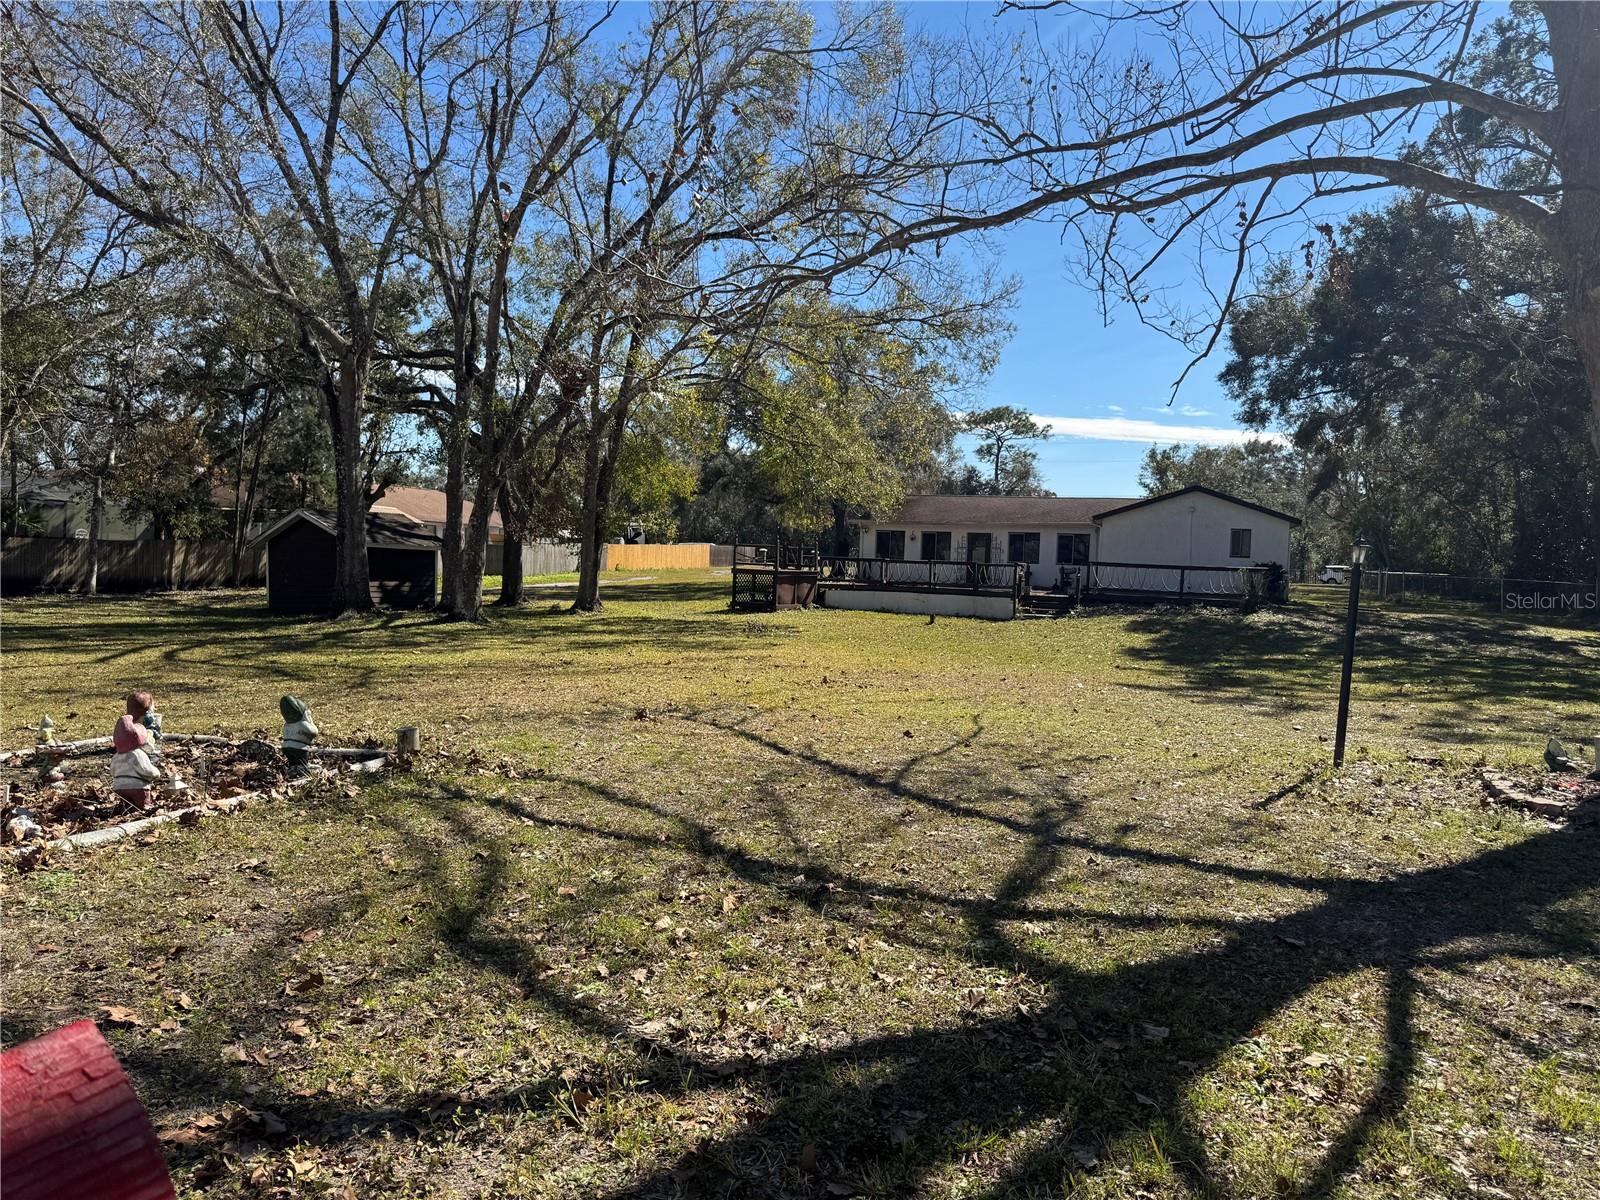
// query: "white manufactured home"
[[1195, 543], [1196, 526]]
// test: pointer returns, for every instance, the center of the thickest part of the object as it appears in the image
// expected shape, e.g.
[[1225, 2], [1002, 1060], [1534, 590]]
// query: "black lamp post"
[[1358, 555]]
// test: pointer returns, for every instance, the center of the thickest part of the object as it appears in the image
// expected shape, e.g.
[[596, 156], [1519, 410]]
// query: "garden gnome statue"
[[141, 707], [132, 772], [299, 731], [47, 731]]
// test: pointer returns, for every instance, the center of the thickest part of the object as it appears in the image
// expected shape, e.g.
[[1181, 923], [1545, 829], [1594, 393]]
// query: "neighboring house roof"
[[999, 510], [383, 532], [1197, 487], [47, 487], [426, 505]]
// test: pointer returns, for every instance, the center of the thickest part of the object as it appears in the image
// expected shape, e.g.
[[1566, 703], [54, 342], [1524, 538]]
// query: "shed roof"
[[383, 531]]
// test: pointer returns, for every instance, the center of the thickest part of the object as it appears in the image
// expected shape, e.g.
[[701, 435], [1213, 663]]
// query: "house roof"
[[1000, 510], [426, 505], [1023, 511], [1197, 487], [383, 532]]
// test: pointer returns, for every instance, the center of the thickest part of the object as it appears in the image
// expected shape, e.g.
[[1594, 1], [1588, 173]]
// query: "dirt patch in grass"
[[840, 904]]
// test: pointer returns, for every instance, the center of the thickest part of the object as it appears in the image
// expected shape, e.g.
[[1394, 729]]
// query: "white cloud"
[[1190, 410], [1116, 408], [1129, 429]]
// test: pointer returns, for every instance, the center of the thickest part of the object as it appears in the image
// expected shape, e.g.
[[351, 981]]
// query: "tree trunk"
[[1574, 228], [511, 554], [244, 496], [352, 584], [474, 543], [1584, 320], [14, 514], [97, 516], [589, 551], [841, 530], [455, 485]]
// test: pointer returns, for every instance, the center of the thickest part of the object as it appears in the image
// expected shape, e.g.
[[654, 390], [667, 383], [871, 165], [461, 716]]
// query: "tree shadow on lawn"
[[1065, 1077], [1292, 656], [887, 1112], [199, 644], [651, 591], [1069, 1076]]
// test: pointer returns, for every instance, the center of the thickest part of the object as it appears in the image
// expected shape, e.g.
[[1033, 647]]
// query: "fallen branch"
[[89, 839], [85, 745]]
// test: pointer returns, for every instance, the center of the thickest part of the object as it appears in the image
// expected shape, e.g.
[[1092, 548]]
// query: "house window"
[[891, 543], [935, 544], [1072, 548], [1239, 543], [978, 547], [1023, 547]]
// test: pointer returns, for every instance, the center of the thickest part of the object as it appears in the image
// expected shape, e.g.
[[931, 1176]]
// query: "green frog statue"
[[299, 731]]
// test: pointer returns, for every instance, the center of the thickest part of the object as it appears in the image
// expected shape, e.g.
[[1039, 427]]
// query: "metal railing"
[[1182, 582], [908, 573]]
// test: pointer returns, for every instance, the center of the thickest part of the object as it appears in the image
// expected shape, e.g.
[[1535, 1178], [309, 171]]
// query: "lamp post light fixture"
[[1358, 555]]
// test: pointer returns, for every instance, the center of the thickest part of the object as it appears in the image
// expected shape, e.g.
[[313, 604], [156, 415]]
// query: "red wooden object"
[[71, 1127]]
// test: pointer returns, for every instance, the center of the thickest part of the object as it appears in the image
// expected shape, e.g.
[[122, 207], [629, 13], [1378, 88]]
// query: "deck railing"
[[1181, 582], [915, 573], [781, 555]]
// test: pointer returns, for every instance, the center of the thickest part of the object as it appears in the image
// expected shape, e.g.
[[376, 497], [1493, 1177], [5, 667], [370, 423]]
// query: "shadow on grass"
[[1290, 658], [199, 638], [1070, 1062], [1068, 1076]]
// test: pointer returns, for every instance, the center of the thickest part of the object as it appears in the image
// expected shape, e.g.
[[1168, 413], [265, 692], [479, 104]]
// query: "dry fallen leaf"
[[566, 891], [730, 902], [115, 1014], [264, 1120], [296, 1028], [235, 1053], [299, 985], [663, 922], [1316, 1060], [1156, 1032]]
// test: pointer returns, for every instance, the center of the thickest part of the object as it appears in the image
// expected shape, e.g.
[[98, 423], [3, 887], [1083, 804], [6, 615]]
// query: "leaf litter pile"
[[82, 798]]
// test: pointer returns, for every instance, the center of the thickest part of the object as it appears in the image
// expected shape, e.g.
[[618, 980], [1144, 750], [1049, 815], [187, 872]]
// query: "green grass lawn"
[[692, 903]]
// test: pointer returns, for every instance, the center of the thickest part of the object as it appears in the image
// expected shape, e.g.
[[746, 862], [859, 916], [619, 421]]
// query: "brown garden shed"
[[402, 561]]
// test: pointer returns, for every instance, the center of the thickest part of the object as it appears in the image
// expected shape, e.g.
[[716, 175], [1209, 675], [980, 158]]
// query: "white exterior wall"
[[1043, 575], [1192, 530], [944, 604]]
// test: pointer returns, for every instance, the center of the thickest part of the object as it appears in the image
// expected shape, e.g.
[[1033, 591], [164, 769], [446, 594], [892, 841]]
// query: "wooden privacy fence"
[[658, 557], [538, 558], [29, 564]]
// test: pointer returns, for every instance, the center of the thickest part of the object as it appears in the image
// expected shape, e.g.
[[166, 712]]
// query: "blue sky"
[[1114, 380], [1106, 385]]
